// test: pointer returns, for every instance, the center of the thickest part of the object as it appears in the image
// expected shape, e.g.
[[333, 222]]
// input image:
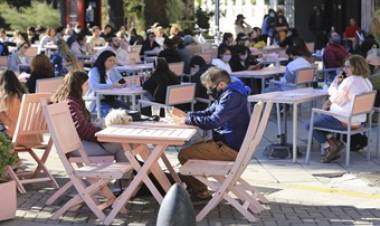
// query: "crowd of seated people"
[[110, 47]]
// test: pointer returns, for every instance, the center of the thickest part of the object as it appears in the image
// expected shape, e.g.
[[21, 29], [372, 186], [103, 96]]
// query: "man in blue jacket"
[[227, 117]]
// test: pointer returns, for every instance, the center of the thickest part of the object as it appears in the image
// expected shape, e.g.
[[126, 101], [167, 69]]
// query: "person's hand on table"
[[255, 67], [118, 85], [177, 115]]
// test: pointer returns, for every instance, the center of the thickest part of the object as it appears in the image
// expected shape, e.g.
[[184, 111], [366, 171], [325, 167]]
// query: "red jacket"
[[350, 31], [334, 55], [86, 130]]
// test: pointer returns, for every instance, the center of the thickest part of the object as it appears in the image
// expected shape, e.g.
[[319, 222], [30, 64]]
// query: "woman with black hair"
[[170, 51], [228, 40], [242, 60], [104, 76], [199, 66], [149, 43], [161, 78]]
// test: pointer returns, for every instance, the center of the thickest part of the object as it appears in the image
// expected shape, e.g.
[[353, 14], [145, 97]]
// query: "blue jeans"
[[325, 121]]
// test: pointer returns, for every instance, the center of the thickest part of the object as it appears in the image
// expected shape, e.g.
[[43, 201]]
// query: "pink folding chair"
[[224, 177]]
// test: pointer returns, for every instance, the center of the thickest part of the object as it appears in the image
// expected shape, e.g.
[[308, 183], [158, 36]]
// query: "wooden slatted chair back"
[[180, 94], [305, 76], [30, 119], [48, 85], [3, 61], [63, 133], [177, 68], [363, 103], [31, 51], [257, 124]]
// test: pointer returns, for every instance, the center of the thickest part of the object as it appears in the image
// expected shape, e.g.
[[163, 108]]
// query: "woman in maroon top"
[[75, 84]]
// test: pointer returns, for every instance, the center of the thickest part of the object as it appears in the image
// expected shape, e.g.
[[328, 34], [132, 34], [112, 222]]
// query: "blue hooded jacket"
[[228, 116]]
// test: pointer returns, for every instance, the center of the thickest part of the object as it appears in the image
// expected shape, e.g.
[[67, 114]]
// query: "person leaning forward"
[[227, 117]]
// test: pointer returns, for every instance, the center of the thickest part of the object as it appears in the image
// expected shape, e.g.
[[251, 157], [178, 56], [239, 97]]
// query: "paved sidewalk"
[[299, 194]]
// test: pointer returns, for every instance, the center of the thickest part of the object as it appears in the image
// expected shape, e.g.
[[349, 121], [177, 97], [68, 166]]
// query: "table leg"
[[262, 84], [170, 168], [142, 176], [378, 135], [156, 169], [134, 102], [295, 124], [98, 107]]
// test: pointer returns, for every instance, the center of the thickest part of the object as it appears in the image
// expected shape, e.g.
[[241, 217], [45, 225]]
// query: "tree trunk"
[[155, 11], [116, 13]]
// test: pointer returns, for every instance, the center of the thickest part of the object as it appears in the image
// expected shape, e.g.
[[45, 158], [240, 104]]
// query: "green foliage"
[[134, 9], [7, 156], [175, 10], [203, 18], [39, 13]]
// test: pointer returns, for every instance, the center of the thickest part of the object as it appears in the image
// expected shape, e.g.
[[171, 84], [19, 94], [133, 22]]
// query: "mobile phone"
[[121, 81]]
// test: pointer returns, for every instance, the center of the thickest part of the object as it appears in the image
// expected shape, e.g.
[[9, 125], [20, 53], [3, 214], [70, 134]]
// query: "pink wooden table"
[[293, 97], [135, 138], [265, 73]]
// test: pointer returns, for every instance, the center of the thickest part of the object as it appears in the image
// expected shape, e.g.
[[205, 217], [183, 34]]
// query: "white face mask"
[[226, 58]]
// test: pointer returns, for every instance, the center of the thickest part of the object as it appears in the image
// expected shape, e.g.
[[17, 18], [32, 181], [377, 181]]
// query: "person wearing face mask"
[[223, 59], [227, 117], [198, 67], [341, 95], [334, 54]]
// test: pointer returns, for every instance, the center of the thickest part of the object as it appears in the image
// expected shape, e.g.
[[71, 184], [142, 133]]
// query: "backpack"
[[358, 141]]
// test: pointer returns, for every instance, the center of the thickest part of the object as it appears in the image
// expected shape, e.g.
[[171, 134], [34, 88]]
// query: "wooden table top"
[[129, 90], [267, 71], [290, 96], [142, 132]]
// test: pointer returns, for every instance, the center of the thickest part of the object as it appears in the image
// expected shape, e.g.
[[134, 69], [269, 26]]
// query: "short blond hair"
[[215, 75], [359, 66]]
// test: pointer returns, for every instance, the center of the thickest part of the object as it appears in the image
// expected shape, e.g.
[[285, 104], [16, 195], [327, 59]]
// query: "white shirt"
[[221, 65], [342, 97]]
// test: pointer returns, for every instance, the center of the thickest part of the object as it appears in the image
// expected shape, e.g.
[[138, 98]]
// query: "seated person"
[[223, 59], [334, 55], [228, 40], [300, 56], [149, 43], [40, 68], [18, 57], [161, 78], [79, 46], [95, 40], [75, 84], [227, 117], [199, 66], [373, 60], [104, 76], [342, 92], [11, 92], [243, 60], [170, 51]]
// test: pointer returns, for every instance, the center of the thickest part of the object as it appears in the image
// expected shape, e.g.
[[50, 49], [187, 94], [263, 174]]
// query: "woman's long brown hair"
[[72, 88]]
